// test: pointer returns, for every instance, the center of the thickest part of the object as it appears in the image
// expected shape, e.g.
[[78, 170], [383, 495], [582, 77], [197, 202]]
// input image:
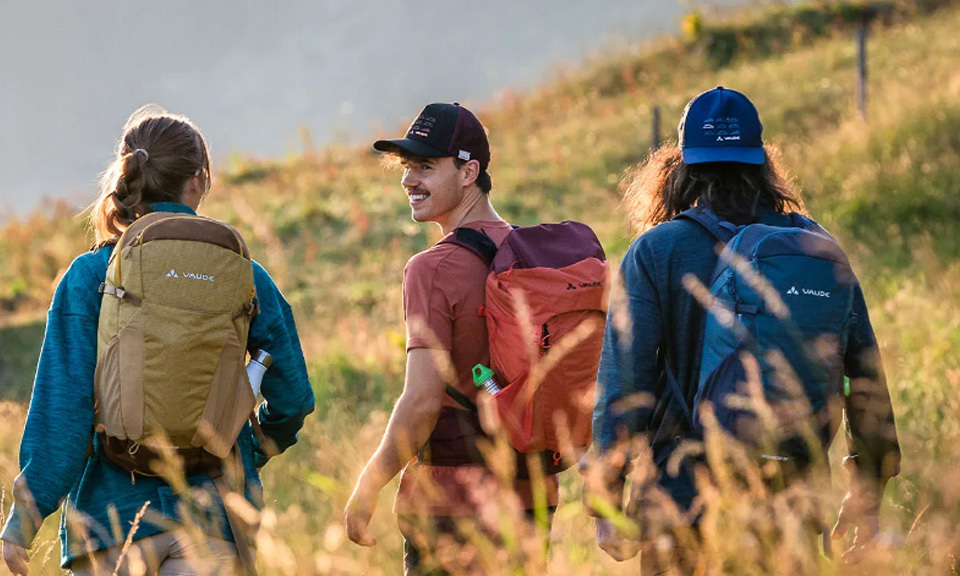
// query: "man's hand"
[[411, 422], [860, 510], [16, 557], [357, 514], [614, 543]]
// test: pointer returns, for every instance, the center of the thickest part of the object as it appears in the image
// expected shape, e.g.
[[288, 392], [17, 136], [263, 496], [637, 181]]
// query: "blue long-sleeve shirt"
[[665, 324], [54, 463]]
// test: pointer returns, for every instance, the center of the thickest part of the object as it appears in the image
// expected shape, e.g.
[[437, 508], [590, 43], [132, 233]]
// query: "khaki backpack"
[[177, 305]]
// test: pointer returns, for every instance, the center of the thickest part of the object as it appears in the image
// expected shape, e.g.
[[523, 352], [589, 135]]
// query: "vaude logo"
[[808, 292], [570, 286], [189, 275]]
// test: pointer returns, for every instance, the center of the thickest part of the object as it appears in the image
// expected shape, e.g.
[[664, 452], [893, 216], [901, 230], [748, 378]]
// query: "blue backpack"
[[784, 296]]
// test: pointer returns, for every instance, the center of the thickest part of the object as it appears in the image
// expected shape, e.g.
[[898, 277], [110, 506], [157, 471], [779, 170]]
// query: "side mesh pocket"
[[130, 368], [230, 402], [515, 412], [720, 389], [106, 381]]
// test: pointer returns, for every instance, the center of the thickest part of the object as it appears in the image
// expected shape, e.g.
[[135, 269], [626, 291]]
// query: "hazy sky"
[[252, 73]]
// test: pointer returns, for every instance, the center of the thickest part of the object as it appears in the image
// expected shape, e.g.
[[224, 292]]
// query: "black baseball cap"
[[721, 125], [443, 130]]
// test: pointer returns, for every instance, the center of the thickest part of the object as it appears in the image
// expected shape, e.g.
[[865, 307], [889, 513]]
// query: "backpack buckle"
[[120, 293]]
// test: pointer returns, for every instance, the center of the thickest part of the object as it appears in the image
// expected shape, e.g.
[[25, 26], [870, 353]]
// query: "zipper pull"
[[544, 339], [133, 479]]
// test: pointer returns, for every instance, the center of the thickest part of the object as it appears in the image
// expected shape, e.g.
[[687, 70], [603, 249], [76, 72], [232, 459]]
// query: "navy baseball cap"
[[721, 125], [443, 130]]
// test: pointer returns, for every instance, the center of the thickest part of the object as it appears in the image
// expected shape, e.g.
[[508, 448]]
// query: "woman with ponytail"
[[162, 164]]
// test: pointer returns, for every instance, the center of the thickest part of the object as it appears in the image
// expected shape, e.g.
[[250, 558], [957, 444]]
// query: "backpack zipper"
[[139, 239], [544, 339]]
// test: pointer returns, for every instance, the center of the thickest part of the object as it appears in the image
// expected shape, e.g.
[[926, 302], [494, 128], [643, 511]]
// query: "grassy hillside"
[[333, 227]]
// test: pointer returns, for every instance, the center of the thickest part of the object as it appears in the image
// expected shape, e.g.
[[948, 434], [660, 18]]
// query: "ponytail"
[[156, 155]]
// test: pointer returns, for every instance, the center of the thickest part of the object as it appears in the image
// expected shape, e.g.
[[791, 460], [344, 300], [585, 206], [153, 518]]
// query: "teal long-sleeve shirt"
[[55, 468]]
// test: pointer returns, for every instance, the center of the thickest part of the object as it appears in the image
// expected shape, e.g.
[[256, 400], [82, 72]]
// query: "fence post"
[[655, 136], [862, 67]]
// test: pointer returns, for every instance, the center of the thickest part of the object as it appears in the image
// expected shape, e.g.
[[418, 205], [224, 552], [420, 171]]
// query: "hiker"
[[664, 352], [68, 452], [446, 495]]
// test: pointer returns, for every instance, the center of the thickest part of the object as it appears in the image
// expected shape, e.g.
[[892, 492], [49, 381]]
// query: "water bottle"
[[259, 362], [484, 377]]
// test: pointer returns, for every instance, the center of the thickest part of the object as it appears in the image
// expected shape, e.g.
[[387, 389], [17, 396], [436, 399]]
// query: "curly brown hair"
[[663, 186]]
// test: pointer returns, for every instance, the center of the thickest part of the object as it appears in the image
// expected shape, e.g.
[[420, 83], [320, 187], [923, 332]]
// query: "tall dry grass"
[[887, 188]]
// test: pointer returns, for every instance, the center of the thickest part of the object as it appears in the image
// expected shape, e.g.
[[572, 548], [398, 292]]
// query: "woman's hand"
[[16, 558]]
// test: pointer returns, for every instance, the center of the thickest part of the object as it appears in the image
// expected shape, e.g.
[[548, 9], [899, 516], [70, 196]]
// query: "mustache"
[[417, 190]]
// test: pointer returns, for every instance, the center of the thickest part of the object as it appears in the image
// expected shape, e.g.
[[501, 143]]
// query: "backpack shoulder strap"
[[677, 391], [475, 241], [720, 229], [798, 220], [484, 248], [461, 398]]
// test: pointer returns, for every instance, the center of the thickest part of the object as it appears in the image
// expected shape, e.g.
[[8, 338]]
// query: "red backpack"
[[545, 309]]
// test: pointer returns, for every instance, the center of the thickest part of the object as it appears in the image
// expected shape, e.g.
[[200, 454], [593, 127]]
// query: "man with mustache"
[[447, 497]]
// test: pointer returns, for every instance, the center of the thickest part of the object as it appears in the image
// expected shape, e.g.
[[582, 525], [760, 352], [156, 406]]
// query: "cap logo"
[[463, 155], [421, 127], [725, 129]]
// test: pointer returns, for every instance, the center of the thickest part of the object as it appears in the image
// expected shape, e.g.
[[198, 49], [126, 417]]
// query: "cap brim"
[[409, 146], [743, 155]]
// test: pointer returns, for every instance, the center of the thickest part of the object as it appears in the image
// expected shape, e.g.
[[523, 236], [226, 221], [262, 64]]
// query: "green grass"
[[333, 227], [18, 362]]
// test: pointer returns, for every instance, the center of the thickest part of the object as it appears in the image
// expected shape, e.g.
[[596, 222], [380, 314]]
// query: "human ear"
[[194, 189], [470, 171]]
